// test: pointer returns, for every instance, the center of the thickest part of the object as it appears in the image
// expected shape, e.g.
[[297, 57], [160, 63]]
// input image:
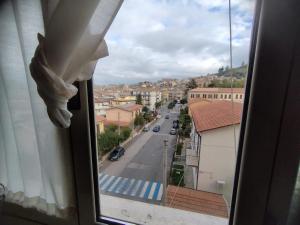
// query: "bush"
[[125, 133], [107, 141], [111, 128], [145, 109], [139, 120]]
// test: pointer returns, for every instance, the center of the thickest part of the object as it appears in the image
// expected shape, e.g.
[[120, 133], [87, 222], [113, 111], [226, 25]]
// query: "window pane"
[[167, 153]]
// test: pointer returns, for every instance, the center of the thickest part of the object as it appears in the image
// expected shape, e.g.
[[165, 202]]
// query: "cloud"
[[154, 39]]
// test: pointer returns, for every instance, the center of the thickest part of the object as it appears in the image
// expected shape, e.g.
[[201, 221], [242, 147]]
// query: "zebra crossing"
[[147, 190]]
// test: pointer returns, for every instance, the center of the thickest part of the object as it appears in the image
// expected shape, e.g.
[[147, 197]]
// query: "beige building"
[[236, 94], [214, 135], [176, 94], [123, 115], [123, 100]]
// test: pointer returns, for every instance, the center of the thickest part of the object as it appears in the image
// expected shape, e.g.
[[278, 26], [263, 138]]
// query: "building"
[[149, 97], [100, 120], [101, 105], [123, 115], [123, 100], [176, 94], [236, 94], [214, 135]]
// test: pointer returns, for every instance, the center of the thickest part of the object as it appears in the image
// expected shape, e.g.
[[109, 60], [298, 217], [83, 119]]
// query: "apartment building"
[[176, 94], [236, 94], [214, 135], [149, 97]]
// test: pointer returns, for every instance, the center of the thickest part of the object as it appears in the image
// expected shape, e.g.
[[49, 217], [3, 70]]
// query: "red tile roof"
[[129, 107], [218, 90], [209, 115], [196, 201]]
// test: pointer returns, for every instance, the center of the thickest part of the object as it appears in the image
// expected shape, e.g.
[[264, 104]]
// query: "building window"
[[215, 95], [236, 96], [225, 96], [204, 95], [192, 95], [229, 96], [241, 96], [221, 96]]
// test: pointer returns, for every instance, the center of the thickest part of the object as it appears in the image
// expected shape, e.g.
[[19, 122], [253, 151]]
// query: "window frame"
[[250, 199]]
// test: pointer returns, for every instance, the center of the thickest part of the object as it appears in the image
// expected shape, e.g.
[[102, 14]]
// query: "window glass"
[[173, 158]]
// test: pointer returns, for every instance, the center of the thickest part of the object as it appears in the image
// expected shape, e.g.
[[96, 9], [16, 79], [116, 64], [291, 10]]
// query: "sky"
[[155, 39]]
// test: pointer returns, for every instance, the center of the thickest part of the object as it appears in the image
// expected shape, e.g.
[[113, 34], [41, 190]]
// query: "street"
[[138, 175]]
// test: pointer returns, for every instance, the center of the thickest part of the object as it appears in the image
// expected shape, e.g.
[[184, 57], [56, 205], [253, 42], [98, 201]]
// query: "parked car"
[[156, 128], [173, 131], [116, 153], [146, 129], [167, 117]]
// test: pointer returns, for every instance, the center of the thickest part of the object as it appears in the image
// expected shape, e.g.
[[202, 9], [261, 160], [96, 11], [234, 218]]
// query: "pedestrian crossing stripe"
[[131, 187]]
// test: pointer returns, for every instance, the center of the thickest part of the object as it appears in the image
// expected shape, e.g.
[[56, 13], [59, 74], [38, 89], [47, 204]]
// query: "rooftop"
[[218, 90], [131, 107], [196, 201], [209, 115]]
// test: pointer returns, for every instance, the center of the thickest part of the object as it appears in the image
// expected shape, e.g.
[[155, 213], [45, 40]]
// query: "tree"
[[221, 70], [125, 133], [107, 141], [148, 117], [157, 105], [191, 84], [139, 120], [183, 101], [145, 109], [171, 105], [139, 99]]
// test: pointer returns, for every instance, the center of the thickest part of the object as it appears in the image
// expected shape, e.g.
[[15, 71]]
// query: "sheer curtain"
[[35, 161]]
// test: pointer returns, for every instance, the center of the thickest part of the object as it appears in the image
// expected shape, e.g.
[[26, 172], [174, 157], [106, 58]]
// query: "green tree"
[[191, 84], [139, 99], [148, 116], [157, 105], [107, 141], [125, 133], [145, 109], [183, 101], [139, 120]]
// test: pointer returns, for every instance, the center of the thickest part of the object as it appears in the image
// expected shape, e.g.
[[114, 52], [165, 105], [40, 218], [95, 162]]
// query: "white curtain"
[[35, 161]]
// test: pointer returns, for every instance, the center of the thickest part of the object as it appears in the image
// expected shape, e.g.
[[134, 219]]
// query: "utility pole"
[[119, 130], [165, 171]]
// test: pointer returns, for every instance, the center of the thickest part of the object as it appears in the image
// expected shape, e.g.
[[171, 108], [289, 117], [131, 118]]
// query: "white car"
[[158, 116]]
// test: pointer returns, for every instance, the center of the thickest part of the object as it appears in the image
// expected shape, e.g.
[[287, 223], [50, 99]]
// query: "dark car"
[[167, 117], [156, 128], [175, 124], [116, 153], [173, 131]]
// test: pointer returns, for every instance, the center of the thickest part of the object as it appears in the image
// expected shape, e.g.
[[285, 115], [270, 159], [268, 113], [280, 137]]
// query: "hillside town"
[[178, 138]]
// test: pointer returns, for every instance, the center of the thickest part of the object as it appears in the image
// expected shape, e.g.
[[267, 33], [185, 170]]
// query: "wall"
[[125, 116], [217, 160]]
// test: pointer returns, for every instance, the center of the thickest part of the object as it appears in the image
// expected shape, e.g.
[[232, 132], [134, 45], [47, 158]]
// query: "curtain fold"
[[69, 51], [35, 160]]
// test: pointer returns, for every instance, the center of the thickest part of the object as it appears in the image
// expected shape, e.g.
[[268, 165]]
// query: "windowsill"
[[144, 213]]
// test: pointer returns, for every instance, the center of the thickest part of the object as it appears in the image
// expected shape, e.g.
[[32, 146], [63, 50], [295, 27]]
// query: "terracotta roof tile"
[[196, 201], [210, 115]]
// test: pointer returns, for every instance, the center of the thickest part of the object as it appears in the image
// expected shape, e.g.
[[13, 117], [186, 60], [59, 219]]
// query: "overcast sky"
[[154, 39]]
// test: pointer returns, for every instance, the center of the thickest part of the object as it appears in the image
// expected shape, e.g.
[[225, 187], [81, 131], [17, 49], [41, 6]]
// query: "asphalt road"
[[139, 173]]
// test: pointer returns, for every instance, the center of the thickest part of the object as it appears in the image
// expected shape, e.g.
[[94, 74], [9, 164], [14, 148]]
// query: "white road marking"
[[144, 189]]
